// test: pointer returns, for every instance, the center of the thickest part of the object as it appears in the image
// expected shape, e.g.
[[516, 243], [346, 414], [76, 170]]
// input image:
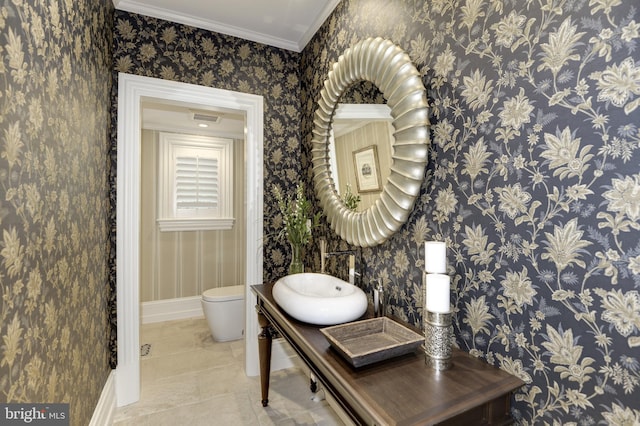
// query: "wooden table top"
[[402, 390]]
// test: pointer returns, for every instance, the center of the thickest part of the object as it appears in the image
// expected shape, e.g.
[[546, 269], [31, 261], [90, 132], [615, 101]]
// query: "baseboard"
[[171, 309], [105, 409]]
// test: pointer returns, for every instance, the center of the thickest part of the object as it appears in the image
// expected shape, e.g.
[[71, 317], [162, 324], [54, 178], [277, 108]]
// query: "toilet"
[[224, 310]]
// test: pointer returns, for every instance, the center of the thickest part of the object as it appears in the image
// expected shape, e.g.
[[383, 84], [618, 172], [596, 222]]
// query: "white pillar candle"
[[435, 257], [437, 293]]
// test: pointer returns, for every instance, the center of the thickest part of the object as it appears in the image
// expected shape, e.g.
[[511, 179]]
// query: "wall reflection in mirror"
[[360, 150]]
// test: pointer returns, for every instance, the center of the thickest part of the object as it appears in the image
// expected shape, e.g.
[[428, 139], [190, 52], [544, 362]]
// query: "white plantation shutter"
[[197, 183], [195, 175]]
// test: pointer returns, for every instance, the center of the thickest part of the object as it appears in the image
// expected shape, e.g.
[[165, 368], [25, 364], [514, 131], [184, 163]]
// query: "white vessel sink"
[[319, 299]]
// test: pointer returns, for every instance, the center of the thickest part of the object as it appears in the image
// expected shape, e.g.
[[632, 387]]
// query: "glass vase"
[[296, 266]]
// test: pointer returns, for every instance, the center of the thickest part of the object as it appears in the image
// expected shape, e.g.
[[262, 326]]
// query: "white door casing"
[[132, 90]]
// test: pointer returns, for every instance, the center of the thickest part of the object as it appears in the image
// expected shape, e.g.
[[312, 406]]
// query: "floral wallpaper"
[[161, 49], [533, 182], [55, 91], [156, 48]]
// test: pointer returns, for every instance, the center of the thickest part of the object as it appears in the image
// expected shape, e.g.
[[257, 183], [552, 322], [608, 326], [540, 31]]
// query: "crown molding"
[[220, 27], [315, 26]]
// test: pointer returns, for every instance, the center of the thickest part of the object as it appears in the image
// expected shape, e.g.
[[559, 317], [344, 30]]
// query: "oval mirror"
[[390, 69]]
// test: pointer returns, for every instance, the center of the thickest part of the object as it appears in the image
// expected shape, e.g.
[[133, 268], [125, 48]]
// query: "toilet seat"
[[223, 294]]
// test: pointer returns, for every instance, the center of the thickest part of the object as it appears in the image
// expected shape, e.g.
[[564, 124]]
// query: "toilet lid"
[[222, 294]]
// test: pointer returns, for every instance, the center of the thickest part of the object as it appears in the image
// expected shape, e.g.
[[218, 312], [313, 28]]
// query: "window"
[[195, 183], [197, 189]]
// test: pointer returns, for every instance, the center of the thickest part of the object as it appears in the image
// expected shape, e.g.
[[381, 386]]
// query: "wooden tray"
[[372, 340]]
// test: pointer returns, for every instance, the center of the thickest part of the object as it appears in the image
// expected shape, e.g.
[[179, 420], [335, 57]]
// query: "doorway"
[[132, 91]]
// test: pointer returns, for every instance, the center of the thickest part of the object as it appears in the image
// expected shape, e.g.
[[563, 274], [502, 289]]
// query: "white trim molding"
[[132, 90], [218, 214], [105, 410], [171, 309], [144, 8]]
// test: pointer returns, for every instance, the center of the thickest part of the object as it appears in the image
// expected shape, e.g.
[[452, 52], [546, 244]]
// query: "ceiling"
[[192, 119], [287, 24]]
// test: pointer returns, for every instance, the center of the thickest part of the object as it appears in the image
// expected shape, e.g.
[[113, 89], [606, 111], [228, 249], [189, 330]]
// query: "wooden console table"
[[399, 391]]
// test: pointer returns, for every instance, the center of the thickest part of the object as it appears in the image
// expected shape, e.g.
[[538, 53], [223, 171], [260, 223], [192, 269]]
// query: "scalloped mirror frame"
[[391, 70]]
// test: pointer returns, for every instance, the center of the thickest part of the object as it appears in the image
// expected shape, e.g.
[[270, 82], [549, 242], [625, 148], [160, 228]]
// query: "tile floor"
[[188, 379]]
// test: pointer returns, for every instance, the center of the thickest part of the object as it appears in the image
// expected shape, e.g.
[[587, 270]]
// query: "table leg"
[[264, 350]]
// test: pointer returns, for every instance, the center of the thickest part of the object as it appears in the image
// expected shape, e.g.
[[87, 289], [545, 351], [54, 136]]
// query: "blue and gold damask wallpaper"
[[55, 91], [533, 182]]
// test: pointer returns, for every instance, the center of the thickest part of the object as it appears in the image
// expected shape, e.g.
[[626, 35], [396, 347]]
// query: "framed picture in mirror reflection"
[[365, 161]]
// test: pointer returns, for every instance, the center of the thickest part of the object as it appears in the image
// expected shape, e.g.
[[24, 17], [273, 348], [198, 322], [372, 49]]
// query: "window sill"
[[204, 224]]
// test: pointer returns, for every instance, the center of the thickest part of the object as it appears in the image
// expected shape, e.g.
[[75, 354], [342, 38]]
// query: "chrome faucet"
[[324, 255], [379, 305]]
